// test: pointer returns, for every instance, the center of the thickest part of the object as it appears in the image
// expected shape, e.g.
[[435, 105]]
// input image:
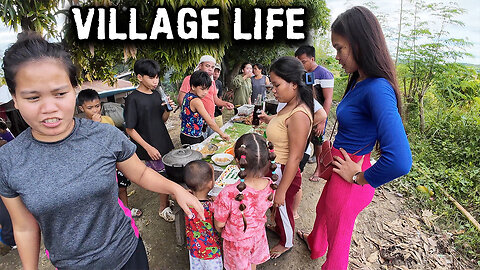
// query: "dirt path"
[[387, 235]]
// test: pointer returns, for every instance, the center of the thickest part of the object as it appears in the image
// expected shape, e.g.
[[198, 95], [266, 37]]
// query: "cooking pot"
[[176, 160], [271, 106]]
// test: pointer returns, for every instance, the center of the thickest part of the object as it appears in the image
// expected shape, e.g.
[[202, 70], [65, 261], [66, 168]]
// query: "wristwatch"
[[354, 178]]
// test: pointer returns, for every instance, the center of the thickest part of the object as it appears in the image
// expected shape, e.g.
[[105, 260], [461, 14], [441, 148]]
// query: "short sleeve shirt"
[[202, 238], [69, 187], [144, 113], [208, 100], [227, 210]]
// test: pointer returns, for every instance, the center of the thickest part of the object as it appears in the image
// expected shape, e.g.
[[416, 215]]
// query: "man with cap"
[[219, 85], [207, 64]]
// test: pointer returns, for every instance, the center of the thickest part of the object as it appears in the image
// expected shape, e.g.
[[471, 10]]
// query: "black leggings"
[[138, 260]]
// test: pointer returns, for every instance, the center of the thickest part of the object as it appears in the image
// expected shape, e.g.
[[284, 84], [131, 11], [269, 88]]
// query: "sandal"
[[297, 216], [136, 212], [167, 214], [277, 254], [301, 235]]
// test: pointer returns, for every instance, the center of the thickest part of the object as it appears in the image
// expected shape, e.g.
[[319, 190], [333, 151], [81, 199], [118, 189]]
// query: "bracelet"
[[354, 178]]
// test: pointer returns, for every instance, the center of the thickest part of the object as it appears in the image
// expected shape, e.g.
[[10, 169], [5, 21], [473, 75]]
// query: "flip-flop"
[[277, 254], [315, 178], [136, 212], [301, 235]]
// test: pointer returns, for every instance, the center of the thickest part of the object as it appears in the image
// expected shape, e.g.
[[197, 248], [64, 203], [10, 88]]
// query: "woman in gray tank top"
[[258, 82]]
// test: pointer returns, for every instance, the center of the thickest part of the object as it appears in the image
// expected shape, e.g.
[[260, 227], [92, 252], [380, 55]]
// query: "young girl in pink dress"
[[240, 208]]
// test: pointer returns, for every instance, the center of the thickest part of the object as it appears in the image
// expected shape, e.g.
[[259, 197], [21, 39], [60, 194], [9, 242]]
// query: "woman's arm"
[[197, 105], [137, 172], [25, 230], [298, 128]]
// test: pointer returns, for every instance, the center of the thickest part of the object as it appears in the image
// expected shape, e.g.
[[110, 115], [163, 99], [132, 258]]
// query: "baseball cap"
[[217, 66]]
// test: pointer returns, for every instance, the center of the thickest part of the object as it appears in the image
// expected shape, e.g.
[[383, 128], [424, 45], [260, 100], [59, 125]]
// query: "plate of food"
[[222, 159], [206, 150]]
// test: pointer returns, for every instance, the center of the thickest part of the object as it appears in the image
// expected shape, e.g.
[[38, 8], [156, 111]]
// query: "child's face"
[[200, 91], [45, 99], [91, 107], [149, 82]]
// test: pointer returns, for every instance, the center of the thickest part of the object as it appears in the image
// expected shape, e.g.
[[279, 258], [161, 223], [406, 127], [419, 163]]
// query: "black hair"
[[87, 95], [365, 36], [291, 70], [200, 78], [29, 47], [305, 49], [3, 125], [147, 67], [197, 174], [253, 155], [260, 66], [243, 66]]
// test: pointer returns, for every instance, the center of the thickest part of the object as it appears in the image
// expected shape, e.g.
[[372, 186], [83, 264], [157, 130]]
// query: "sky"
[[470, 32]]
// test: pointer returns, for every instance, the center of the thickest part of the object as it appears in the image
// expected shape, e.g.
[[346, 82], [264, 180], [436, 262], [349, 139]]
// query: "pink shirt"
[[226, 210], [208, 100]]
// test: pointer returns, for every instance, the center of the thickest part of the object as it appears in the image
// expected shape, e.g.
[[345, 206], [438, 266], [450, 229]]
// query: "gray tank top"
[[258, 87]]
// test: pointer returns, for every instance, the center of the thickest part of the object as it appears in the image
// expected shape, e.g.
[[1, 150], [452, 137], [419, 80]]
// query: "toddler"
[[202, 240]]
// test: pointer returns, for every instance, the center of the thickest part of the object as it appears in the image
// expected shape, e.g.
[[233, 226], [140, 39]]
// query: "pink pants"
[[337, 209]]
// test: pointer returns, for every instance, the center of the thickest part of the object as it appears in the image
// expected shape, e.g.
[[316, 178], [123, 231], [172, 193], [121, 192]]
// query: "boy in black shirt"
[[145, 117]]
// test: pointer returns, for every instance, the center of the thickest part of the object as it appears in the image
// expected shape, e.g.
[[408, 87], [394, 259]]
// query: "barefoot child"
[[240, 208], [88, 102], [194, 115], [202, 239], [57, 178]]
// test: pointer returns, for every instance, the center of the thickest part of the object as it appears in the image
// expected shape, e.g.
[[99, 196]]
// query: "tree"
[[427, 49], [31, 15]]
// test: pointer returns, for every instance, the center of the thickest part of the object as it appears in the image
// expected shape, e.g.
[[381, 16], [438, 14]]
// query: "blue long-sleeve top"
[[368, 113]]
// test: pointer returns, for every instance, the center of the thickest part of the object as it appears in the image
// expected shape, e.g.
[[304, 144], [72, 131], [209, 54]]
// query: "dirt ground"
[[387, 235]]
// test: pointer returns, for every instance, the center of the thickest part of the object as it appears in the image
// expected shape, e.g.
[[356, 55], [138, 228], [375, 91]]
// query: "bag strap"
[[333, 129]]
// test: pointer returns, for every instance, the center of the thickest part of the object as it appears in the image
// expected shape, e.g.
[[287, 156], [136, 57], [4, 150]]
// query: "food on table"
[[222, 159], [247, 120], [228, 176]]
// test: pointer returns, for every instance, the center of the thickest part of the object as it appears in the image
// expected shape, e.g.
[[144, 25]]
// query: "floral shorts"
[[242, 254]]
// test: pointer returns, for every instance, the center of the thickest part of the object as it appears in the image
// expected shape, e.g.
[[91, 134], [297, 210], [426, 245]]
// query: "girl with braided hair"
[[240, 208]]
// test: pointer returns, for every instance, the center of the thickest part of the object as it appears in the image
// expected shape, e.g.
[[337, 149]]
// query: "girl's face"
[[45, 99], [283, 90], [344, 53], [257, 71], [247, 69]]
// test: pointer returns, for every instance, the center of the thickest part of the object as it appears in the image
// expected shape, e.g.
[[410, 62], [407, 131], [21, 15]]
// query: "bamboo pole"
[[457, 204]]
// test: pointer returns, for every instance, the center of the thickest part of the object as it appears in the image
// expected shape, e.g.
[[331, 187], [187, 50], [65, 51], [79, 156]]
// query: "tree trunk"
[[421, 112], [399, 31]]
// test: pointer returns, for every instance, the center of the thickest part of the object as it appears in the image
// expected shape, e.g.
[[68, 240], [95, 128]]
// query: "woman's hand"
[[279, 198], [346, 167], [186, 200], [264, 117]]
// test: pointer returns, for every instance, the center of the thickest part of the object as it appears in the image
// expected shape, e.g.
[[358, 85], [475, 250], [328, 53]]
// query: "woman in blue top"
[[368, 113]]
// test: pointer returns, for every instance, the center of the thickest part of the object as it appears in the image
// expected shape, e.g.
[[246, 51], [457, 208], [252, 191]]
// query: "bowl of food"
[[222, 159]]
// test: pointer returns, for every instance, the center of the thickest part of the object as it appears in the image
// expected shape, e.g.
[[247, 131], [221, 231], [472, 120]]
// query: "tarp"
[[5, 96]]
